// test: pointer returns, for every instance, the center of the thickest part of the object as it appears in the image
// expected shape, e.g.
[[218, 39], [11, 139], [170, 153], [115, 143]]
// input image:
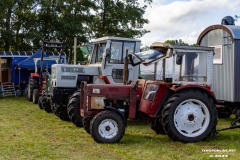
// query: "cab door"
[[115, 62]]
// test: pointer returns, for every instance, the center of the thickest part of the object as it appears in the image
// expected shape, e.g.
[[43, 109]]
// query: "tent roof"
[[29, 62]]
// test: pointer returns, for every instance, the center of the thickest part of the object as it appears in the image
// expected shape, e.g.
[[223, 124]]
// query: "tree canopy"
[[24, 23]]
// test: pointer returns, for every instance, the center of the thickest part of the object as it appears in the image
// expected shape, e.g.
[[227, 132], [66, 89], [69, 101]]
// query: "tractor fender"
[[205, 89], [116, 111]]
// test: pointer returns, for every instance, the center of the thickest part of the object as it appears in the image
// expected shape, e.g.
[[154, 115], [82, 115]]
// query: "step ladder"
[[8, 89]]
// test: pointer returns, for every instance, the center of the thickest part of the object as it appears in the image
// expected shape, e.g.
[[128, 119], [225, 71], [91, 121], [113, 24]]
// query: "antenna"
[[236, 17]]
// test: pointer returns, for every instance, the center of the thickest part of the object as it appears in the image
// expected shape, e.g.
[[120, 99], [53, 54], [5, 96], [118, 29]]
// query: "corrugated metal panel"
[[237, 71], [223, 74]]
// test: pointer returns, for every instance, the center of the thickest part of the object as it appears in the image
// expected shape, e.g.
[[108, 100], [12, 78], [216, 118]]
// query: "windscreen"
[[145, 57], [149, 55]]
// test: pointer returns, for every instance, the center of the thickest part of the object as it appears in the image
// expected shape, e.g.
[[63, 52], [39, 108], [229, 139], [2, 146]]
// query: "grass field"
[[26, 132]]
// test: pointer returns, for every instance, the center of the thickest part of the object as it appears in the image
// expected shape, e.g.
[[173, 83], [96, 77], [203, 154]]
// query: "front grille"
[[68, 77]]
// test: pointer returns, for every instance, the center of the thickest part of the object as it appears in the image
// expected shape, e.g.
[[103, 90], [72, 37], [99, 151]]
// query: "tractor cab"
[[178, 64]]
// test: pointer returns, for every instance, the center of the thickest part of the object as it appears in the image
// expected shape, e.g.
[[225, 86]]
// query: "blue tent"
[[29, 62]]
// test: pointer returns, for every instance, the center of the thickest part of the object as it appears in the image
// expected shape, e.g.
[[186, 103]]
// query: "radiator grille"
[[68, 77]]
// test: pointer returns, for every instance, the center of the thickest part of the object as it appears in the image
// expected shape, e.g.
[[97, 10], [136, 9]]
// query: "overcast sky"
[[185, 19]]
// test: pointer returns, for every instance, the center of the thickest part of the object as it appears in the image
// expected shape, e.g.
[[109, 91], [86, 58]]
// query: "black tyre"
[[60, 111], [189, 116], [86, 124], [157, 126], [73, 109], [107, 127], [224, 112], [238, 115], [35, 96], [40, 102], [46, 105], [30, 92]]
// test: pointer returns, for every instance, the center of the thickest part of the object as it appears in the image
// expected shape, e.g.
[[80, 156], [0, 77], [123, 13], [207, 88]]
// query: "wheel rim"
[[108, 128], [191, 118]]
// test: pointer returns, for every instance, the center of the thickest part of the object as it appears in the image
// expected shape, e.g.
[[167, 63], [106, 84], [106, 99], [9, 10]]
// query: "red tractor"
[[180, 105], [39, 89]]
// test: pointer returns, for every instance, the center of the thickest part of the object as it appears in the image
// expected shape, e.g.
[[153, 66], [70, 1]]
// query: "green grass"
[[26, 132]]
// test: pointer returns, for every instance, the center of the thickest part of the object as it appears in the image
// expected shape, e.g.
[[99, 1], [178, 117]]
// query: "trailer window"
[[217, 58]]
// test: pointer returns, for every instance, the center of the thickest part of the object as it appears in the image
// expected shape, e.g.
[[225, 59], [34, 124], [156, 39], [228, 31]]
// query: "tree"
[[24, 23], [119, 18], [176, 42]]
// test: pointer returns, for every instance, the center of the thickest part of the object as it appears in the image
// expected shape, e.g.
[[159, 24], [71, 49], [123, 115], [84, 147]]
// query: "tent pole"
[[19, 70]]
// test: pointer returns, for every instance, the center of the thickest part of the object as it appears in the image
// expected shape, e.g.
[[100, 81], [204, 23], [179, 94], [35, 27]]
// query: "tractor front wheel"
[[189, 116], [46, 105], [73, 109], [107, 127], [60, 111]]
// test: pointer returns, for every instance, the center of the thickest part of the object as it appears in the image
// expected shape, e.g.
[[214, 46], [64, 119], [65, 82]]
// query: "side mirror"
[[179, 59], [107, 55]]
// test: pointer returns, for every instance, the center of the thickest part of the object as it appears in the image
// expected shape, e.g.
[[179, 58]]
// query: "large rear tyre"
[[35, 96], [30, 93], [107, 127], [60, 111], [86, 124], [73, 109], [189, 116], [157, 126]]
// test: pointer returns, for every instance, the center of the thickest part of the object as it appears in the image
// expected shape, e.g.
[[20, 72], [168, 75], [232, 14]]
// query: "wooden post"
[[75, 50]]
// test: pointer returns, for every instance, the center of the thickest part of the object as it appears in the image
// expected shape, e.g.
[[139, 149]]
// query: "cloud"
[[185, 19]]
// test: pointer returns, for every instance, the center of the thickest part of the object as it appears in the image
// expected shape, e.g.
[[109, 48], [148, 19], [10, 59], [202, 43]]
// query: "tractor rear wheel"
[[189, 116], [107, 127], [32, 84], [157, 127], [30, 92], [73, 109], [60, 111], [35, 96], [40, 102], [86, 124]]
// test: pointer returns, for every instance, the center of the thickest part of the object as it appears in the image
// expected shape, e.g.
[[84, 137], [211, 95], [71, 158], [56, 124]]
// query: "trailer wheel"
[[189, 116], [107, 127], [73, 109], [40, 102], [35, 96], [46, 105], [60, 111]]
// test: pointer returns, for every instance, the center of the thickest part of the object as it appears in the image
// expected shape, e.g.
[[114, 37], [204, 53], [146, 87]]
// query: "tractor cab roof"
[[159, 51]]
